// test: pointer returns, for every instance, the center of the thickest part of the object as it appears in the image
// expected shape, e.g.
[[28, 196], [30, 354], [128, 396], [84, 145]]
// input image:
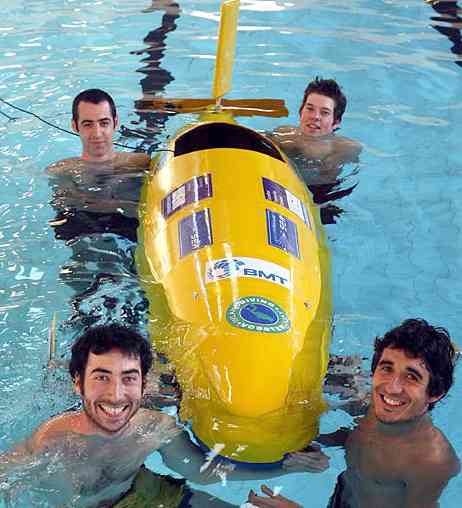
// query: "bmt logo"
[[260, 274], [247, 267]]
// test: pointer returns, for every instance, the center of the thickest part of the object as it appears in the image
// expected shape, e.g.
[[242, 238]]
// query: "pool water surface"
[[395, 242]]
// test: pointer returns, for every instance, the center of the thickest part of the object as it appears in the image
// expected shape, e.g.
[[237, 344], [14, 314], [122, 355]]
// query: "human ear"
[[435, 398], [336, 125], [77, 385], [74, 126], [116, 122]]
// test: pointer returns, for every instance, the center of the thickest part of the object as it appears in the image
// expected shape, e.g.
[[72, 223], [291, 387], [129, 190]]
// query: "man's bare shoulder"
[[151, 418], [285, 129], [130, 160], [440, 452], [63, 166], [54, 431], [121, 162], [347, 143]]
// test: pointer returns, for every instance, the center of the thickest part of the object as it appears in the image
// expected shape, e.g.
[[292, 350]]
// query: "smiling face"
[[400, 387], [95, 126], [317, 115], [111, 390]]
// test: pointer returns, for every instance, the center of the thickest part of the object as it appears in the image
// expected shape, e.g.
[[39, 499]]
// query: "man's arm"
[[187, 459], [344, 151], [272, 500], [26, 459], [428, 479], [68, 195]]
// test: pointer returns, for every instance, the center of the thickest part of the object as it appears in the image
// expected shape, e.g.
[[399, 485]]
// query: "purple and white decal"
[[282, 233], [195, 231], [279, 194], [199, 187]]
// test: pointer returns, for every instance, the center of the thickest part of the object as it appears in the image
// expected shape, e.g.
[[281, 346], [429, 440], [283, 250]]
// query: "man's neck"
[[315, 137], [110, 157], [417, 424], [86, 425]]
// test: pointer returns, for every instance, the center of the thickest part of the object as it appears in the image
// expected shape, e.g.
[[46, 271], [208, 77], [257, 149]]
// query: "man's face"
[[317, 116], [95, 127], [399, 387], [111, 390]]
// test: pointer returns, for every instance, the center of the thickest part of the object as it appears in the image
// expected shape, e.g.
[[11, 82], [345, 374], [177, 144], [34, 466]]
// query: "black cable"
[[61, 129]]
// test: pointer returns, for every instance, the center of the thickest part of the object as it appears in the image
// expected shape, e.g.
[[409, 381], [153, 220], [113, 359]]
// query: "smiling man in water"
[[318, 153], [94, 457], [101, 180], [395, 457]]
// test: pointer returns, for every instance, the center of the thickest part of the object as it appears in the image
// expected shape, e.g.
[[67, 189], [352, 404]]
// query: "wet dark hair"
[[102, 339], [95, 96], [421, 340], [328, 88]]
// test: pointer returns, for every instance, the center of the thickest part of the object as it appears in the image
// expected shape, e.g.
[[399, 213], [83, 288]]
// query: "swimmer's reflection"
[[155, 78], [96, 215], [449, 24]]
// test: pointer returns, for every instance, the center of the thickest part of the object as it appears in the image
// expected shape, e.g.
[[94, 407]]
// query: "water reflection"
[[155, 78], [96, 217], [449, 24]]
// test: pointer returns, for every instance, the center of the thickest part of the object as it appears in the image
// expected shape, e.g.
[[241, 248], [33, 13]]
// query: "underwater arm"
[[67, 195], [272, 500], [344, 151], [184, 457]]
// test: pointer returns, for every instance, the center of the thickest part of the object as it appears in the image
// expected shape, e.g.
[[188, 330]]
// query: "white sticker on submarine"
[[237, 266], [282, 233], [195, 231], [199, 187], [279, 194]]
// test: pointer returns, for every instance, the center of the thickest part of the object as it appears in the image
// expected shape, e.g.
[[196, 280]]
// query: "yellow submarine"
[[234, 262]]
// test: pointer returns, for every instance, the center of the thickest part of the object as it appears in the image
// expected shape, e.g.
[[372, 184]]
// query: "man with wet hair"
[[316, 93], [95, 120], [395, 457], [94, 457], [100, 181], [96, 197], [318, 153]]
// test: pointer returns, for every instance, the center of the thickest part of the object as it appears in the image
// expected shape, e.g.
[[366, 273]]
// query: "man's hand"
[[272, 501], [313, 460]]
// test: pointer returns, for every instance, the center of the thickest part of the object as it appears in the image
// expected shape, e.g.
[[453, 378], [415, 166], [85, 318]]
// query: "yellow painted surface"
[[226, 48], [256, 393]]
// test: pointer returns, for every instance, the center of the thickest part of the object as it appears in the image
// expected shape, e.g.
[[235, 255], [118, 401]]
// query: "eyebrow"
[[323, 108], [408, 369], [104, 119], [106, 371], [415, 372]]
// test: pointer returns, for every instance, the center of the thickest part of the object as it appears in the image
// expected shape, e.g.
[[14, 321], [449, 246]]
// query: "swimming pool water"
[[396, 246]]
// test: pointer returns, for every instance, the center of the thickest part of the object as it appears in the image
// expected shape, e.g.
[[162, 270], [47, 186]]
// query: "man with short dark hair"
[[96, 199], [95, 120], [395, 457], [94, 457], [318, 153]]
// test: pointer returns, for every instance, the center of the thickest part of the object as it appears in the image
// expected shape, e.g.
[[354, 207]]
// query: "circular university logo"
[[257, 314]]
